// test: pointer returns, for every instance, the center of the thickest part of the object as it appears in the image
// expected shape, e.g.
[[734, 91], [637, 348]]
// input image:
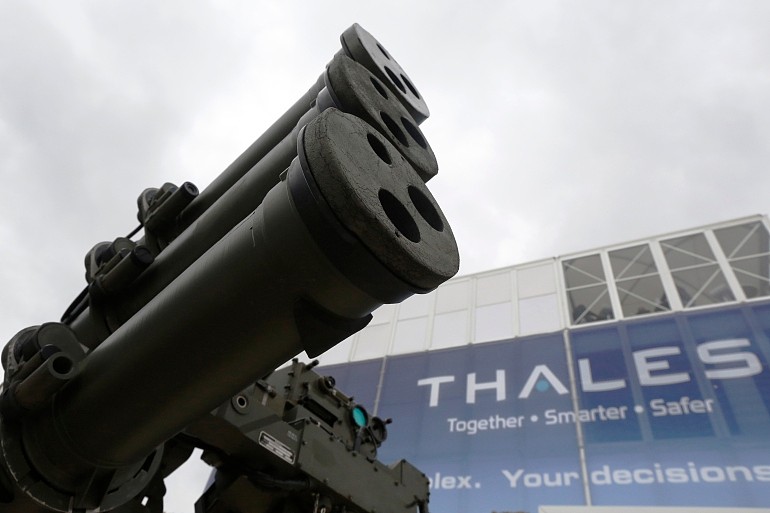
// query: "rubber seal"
[[357, 91], [363, 48], [339, 245], [378, 198]]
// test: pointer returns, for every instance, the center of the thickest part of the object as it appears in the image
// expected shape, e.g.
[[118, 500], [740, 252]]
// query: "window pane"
[[453, 296], [583, 271], [416, 305], [337, 354], [639, 296], [630, 262], [687, 251], [494, 322], [539, 315], [493, 289], [747, 247], [703, 285], [590, 304], [536, 281], [450, 329], [744, 240], [372, 342], [410, 335], [383, 314], [753, 275]]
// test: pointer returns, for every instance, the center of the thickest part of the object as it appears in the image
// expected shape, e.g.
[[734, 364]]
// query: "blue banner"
[[696, 388], [500, 403], [672, 410]]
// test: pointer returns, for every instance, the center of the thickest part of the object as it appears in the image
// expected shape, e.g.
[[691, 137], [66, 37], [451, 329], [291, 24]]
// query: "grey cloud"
[[559, 126]]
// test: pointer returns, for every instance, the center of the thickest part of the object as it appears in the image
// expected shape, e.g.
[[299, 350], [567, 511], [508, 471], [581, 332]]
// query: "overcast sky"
[[559, 126]]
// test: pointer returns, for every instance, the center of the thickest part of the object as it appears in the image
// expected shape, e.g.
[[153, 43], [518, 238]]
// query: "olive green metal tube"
[[349, 227], [361, 46], [351, 88], [358, 45], [282, 127]]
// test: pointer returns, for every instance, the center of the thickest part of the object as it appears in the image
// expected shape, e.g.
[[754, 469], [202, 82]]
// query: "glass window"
[[687, 251], [494, 322], [638, 283], [337, 354], [450, 329], [632, 262], [754, 275], [416, 305], [539, 315], [587, 294], [410, 335], [744, 240], [492, 289], [372, 342], [582, 271], [590, 304], [383, 314], [697, 276], [643, 295], [453, 296], [747, 247], [536, 281], [703, 285]]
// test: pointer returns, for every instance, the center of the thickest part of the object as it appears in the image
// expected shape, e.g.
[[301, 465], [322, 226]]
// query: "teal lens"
[[360, 417]]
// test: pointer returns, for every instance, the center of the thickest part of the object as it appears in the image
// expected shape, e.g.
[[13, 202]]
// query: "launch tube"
[[349, 227], [358, 45], [254, 153], [351, 88], [362, 47], [319, 222]]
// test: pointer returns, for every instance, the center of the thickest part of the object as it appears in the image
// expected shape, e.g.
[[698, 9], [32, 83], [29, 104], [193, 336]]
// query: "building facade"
[[633, 375]]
